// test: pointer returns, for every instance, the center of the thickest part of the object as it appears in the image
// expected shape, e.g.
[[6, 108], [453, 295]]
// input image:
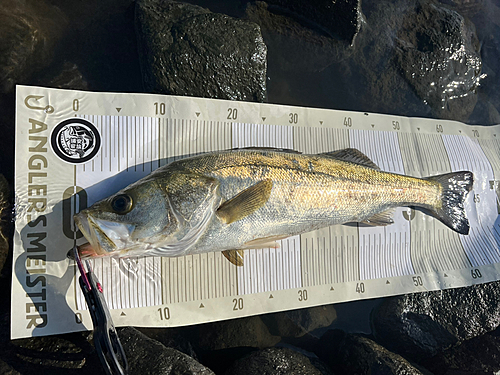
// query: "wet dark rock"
[[181, 339], [250, 332], [59, 354], [353, 354], [488, 28], [480, 355], [468, 8], [29, 33], [187, 50], [67, 76], [296, 323], [5, 221], [147, 356], [284, 36], [424, 324], [273, 361], [393, 69], [5, 369], [340, 19], [438, 54]]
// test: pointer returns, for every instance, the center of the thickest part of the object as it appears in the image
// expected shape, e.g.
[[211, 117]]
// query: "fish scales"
[[309, 192]]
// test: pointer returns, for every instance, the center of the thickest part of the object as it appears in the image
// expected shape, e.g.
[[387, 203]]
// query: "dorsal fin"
[[245, 203], [352, 155], [275, 149]]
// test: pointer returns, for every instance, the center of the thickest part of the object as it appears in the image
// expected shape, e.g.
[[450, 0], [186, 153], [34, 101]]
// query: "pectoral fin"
[[381, 219], [234, 256], [245, 203]]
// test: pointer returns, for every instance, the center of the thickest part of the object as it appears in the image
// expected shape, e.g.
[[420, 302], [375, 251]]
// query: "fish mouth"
[[104, 237]]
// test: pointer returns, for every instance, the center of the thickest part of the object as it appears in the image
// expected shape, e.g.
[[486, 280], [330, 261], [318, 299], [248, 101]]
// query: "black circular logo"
[[75, 140]]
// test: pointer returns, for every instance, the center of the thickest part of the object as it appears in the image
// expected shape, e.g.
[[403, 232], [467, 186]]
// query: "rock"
[[393, 69], [29, 33], [63, 353], [479, 355], [296, 323], [67, 76], [179, 338], [468, 8], [424, 324], [438, 54], [187, 50], [340, 19], [488, 29], [284, 36], [5, 222], [353, 354], [147, 356], [5, 369], [273, 361], [485, 112], [251, 332]]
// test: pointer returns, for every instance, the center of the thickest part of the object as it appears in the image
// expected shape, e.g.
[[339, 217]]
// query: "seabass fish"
[[249, 198]]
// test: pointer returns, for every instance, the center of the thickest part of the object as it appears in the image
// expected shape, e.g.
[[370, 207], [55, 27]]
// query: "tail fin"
[[455, 188]]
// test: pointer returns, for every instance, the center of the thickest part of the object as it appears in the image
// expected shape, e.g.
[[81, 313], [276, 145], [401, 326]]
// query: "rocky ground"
[[414, 58]]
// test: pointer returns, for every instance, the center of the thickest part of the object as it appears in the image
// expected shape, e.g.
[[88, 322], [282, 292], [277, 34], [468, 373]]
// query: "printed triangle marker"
[[118, 109], [202, 306], [387, 282], [197, 114], [123, 314], [418, 129], [263, 119], [445, 275], [271, 296], [331, 289], [321, 122], [373, 125]]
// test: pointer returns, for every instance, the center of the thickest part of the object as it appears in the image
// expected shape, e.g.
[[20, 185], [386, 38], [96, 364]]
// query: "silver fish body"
[[250, 198]]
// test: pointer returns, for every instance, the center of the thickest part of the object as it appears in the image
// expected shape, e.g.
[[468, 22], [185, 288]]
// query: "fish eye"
[[122, 204]]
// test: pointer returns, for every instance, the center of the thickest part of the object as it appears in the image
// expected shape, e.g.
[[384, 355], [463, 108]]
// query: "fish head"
[[158, 212]]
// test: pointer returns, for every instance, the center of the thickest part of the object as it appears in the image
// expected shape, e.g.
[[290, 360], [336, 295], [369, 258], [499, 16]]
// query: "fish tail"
[[451, 211]]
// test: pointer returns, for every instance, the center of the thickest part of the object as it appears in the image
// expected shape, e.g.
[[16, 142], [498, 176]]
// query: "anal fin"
[[234, 256], [261, 243], [381, 219]]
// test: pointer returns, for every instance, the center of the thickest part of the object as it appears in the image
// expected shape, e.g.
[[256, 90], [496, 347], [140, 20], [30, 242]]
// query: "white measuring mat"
[[74, 148]]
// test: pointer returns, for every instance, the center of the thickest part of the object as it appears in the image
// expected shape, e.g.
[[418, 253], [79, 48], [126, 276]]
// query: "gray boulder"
[[353, 354], [273, 361], [147, 356], [187, 50], [285, 35], [409, 58], [475, 356], [339, 19], [296, 323], [29, 33], [422, 325], [438, 54], [249, 332]]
